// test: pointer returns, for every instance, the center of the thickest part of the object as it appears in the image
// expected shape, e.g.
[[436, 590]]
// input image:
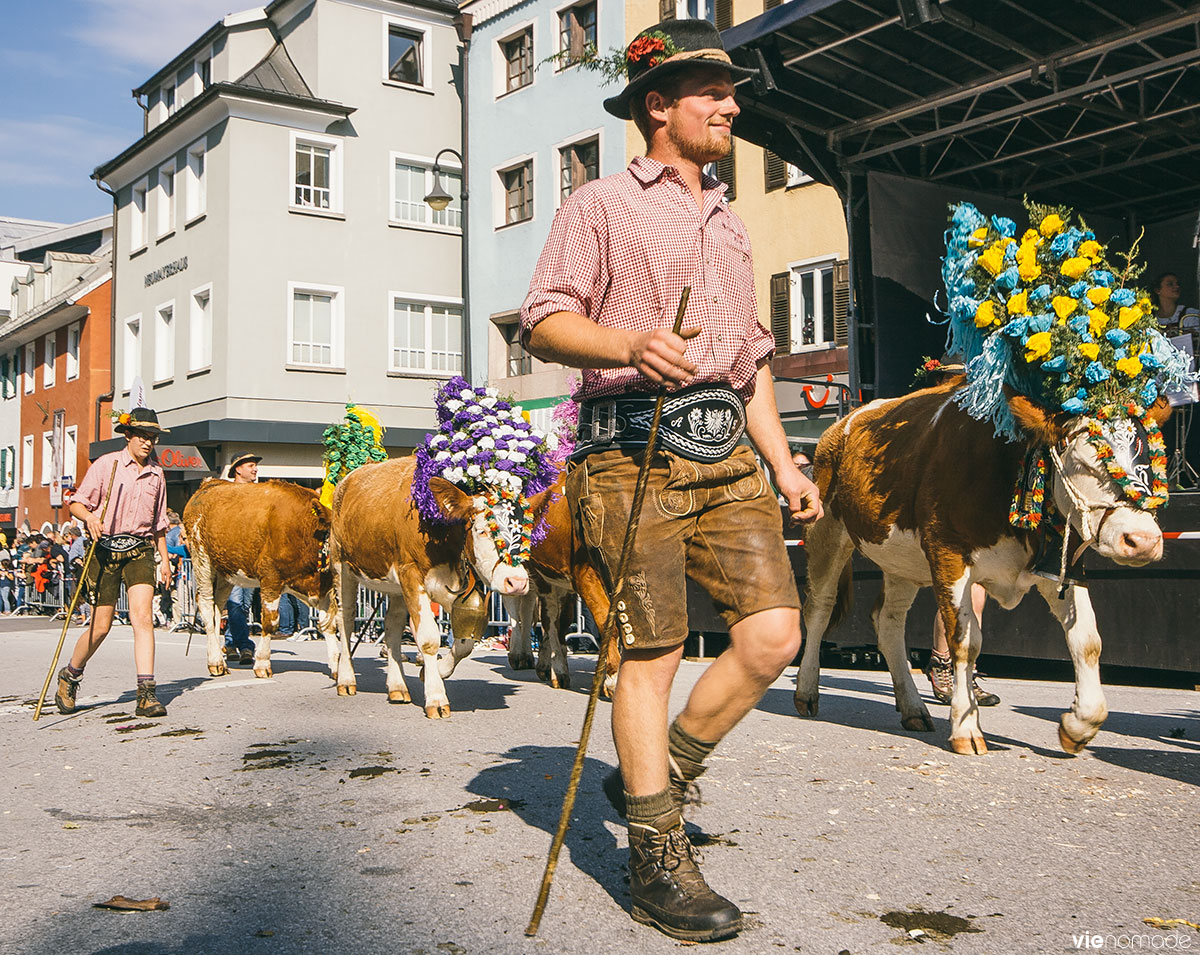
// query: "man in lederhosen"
[[133, 532], [603, 298]]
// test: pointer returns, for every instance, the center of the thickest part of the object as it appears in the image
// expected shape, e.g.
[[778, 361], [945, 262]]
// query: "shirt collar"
[[126, 459], [648, 171]]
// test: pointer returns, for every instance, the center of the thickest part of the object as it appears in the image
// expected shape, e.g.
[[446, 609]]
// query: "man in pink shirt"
[[603, 298], [133, 531]]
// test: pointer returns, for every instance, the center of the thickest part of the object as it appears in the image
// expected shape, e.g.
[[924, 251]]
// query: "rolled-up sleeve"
[[570, 272]]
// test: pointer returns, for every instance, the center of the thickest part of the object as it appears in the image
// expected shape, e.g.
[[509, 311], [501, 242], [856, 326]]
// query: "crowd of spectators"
[[37, 568]]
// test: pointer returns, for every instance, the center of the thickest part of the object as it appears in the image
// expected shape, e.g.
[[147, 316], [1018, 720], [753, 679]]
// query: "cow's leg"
[[428, 636], [520, 645], [394, 622], [552, 657], [889, 617], [270, 595], [590, 587], [829, 550], [341, 665], [206, 604], [222, 591], [328, 616], [965, 639], [1079, 724], [460, 649]]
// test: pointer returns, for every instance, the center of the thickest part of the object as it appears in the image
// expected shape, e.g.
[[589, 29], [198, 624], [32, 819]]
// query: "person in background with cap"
[[133, 532], [243, 469], [603, 298]]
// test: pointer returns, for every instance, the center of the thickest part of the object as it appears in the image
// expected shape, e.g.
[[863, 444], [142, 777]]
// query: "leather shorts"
[[109, 568], [717, 523]]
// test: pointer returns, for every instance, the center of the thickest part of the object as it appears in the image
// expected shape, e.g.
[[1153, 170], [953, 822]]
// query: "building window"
[[316, 174], [8, 375], [797, 176], [405, 55], [195, 182], [137, 216], [200, 330], [204, 71], [164, 342], [517, 361], [426, 337], [73, 334], [315, 327], [412, 181], [49, 348], [29, 364], [168, 98], [70, 453], [517, 183], [165, 200], [805, 307], [518, 60], [132, 355], [578, 163], [576, 33], [27, 461], [6, 456], [47, 456]]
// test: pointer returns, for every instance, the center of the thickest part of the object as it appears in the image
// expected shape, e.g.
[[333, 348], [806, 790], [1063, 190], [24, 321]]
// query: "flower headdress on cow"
[[1048, 316], [349, 445], [487, 446]]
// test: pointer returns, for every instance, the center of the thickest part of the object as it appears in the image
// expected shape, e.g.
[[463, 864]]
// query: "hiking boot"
[[147, 703], [941, 679], [246, 657], [64, 696], [231, 652], [683, 792], [668, 890]]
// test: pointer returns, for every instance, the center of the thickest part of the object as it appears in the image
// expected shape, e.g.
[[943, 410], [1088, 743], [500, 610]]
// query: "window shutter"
[[781, 312], [666, 9], [725, 172], [771, 4], [841, 302], [723, 10], [4, 467], [4, 368], [776, 170]]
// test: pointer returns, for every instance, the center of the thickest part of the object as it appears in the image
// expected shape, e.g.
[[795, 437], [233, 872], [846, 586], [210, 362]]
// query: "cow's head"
[[493, 542], [1104, 512]]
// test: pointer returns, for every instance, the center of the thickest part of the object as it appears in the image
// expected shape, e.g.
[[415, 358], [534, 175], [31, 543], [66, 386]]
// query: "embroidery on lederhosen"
[[635, 586]]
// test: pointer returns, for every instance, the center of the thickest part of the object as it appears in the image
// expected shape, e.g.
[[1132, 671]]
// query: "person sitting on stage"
[[134, 528], [1173, 318]]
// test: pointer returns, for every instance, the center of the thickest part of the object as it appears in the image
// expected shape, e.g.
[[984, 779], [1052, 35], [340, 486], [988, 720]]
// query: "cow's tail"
[[845, 597]]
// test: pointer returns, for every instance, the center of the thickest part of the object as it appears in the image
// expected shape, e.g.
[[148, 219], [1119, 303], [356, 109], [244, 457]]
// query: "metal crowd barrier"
[[50, 602]]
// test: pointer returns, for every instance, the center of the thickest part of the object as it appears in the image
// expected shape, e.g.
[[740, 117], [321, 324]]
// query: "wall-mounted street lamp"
[[438, 199]]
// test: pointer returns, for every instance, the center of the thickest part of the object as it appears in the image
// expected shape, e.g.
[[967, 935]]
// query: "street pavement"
[[276, 817]]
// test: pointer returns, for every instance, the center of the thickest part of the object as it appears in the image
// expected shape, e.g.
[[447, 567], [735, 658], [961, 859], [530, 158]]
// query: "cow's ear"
[[1160, 411], [1040, 424], [455, 503]]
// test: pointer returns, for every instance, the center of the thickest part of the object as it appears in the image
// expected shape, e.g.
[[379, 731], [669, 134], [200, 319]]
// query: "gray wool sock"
[[688, 752], [653, 810]]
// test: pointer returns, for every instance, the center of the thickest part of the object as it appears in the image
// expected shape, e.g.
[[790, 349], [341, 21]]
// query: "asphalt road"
[[276, 817]]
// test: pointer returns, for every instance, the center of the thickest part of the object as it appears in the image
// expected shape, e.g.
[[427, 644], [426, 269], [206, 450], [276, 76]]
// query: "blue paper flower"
[[1007, 280], [1016, 327], [1010, 252], [1058, 363], [1117, 336], [1150, 361], [1078, 324], [1079, 289], [1096, 373], [1104, 278], [1006, 227], [1040, 323], [1081, 394], [1150, 392], [1073, 406], [1118, 354], [1040, 294], [1123, 296], [1065, 243]]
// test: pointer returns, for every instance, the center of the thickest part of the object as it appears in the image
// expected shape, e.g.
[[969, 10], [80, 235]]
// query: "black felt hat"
[[141, 419], [664, 50]]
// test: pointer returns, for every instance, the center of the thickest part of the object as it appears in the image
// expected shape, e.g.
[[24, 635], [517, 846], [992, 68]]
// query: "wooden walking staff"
[[635, 516], [87, 560]]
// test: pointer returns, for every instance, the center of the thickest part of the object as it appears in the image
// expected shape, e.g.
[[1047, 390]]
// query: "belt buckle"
[[604, 420]]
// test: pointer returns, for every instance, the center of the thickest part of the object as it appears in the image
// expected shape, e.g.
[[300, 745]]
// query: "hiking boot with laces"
[[684, 792], [64, 695], [147, 702], [668, 890], [941, 678], [246, 657]]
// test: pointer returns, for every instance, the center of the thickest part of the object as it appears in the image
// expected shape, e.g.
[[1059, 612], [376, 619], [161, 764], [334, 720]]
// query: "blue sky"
[[66, 71]]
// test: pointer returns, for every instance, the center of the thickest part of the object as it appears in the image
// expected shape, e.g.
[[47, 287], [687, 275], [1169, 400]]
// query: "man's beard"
[[700, 150]]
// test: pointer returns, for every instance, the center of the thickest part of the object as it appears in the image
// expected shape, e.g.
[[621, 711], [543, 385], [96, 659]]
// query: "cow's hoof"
[[263, 673], [544, 674], [219, 670], [807, 707], [921, 723], [444, 711], [521, 661], [968, 745], [347, 690], [438, 712], [399, 696], [1074, 747]]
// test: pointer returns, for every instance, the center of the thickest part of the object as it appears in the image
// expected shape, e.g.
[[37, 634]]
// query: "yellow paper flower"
[[1052, 225], [993, 260], [1028, 269], [1097, 322], [1089, 350], [1064, 306], [1018, 304], [1131, 366], [1090, 250], [124, 418], [1030, 236], [1128, 315], [978, 238], [1037, 346], [1099, 295], [985, 315], [1074, 267]]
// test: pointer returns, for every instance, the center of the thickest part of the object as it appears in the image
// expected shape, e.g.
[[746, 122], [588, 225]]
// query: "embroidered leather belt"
[[122, 543], [701, 423]]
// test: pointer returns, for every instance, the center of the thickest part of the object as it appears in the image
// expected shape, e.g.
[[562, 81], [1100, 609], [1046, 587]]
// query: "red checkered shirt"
[[620, 251]]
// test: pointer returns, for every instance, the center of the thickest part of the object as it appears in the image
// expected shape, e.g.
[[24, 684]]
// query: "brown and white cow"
[[558, 569], [923, 489], [271, 535], [381, 540]]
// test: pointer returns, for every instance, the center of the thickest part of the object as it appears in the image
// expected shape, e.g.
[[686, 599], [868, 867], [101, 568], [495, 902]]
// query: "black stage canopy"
[[1090, 104]]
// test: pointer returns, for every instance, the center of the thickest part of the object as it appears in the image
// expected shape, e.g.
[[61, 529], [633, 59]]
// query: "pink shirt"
[[620, 251], [139, 498]]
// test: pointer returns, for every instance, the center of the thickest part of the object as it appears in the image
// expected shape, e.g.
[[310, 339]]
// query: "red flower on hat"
[[646, 46]]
